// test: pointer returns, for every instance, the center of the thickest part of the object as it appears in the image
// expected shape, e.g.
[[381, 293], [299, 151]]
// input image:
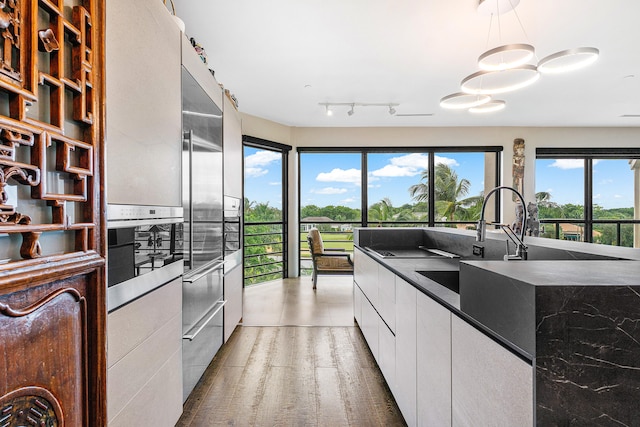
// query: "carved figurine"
[[533, 223]]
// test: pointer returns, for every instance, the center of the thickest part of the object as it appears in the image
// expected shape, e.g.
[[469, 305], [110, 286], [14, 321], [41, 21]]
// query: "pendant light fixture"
[[568, 60], [508, 67], [462, 101], [489, 107], [491, 82]]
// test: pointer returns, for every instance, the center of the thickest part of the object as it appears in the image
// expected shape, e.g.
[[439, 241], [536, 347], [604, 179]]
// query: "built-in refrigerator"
[[202, 296]]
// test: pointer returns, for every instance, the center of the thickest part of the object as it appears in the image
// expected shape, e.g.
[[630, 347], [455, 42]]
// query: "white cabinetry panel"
[[387, 297], [405, 385], [144, 113], [232, 149], [490, 385], [369, 327], [144, 359], [233, 296], [434, 363]]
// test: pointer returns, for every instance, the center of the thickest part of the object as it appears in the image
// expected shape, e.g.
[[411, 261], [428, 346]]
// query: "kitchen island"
[[549, 341]]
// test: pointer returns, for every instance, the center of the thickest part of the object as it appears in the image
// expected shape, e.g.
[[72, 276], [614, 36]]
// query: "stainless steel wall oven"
[[144, 250]]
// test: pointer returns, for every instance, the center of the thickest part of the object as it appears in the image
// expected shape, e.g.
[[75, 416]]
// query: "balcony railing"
[[264, 252], [616, 232]]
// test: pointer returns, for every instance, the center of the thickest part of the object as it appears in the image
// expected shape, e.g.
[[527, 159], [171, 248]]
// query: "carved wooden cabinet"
[[52, 289]]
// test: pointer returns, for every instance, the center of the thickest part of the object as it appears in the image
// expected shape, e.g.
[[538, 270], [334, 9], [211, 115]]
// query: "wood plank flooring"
[[292, 376]]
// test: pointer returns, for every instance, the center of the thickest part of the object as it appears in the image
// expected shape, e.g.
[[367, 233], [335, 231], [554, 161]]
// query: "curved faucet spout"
[[481, 228]]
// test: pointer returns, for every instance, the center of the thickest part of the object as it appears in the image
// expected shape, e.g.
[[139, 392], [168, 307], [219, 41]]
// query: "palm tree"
[[381, 211], [448, 191]]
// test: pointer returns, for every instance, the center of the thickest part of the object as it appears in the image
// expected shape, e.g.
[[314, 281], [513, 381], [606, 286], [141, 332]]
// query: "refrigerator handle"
[[193, 333], [201, 273]]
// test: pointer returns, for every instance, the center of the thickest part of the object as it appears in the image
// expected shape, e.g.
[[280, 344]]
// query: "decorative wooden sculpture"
[[518, 167], [52, 287]]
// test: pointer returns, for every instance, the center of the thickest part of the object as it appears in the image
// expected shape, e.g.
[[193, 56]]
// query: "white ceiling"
[[283, 57]]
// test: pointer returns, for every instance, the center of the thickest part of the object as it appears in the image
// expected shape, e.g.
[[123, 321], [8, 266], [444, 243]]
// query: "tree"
[[381, 211], [449, 191]]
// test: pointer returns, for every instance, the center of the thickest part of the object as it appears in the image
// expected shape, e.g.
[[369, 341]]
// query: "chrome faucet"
[[521, 248]]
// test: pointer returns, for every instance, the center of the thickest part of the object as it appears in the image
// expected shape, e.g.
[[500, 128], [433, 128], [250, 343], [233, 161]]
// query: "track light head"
[[392, 110], [329, 110], [350, 112]]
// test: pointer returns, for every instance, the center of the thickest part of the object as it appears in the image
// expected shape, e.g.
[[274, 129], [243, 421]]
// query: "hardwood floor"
[[292, 376]]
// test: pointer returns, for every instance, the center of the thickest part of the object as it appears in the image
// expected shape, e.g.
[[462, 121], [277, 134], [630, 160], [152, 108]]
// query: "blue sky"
[[564, 179], [334, 178], [263, 176]]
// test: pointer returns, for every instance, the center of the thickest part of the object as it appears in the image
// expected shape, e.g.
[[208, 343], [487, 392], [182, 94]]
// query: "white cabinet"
[[144, 359], [233, 297], [357, 304], [434, 363], [490, 385], [387, 297], [404, 389], [143, 112], [386, 352], [232, 148], [369, 327], [365, 275]]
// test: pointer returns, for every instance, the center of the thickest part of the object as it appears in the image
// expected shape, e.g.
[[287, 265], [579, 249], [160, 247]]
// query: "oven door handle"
[[204, 321], [199, 274]]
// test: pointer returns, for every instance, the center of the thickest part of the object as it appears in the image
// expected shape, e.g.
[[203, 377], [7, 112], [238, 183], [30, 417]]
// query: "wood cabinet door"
[[46, 345]]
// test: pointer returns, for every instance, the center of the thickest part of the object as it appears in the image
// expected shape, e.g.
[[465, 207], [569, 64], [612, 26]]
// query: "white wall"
[[434, 137]]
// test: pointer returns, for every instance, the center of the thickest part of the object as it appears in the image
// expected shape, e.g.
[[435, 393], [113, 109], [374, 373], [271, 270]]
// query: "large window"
[[265, 219], [330, 200], [588, 195], [369, 187]]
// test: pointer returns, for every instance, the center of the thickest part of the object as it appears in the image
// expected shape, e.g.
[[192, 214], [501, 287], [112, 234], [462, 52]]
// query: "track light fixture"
[[329, 111], [352, 105]]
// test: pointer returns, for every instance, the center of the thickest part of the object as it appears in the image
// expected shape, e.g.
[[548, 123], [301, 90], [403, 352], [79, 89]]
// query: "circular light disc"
[[489, 107], [505, 57], [461, 101], [491, 82], [568, 60]]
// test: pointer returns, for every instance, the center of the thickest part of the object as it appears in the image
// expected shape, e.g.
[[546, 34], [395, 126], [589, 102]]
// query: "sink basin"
[[448, 279]]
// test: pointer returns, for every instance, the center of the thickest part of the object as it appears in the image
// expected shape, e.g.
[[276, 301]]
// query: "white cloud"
[[445, 161], [618, 196], [255, 172], [330, 190], [409, 165], [597, 196], [275, 183], [374, 185], [395, 171], [261, 158], [570, 163], [413, 160], [606, 181], [567, 164], [340, 175], [348, 201]]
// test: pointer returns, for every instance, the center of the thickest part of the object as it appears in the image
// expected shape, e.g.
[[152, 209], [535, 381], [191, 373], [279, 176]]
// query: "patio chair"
[[325, 260]]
